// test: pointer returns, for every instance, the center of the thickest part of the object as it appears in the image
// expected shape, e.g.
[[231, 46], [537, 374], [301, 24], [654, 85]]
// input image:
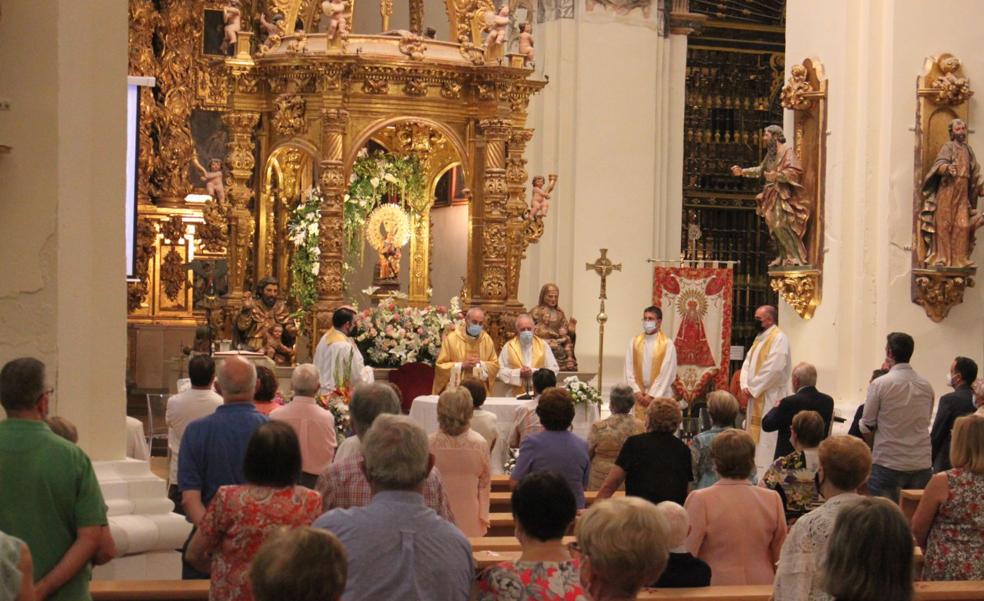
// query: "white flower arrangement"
[[582, 393], [303, 230]]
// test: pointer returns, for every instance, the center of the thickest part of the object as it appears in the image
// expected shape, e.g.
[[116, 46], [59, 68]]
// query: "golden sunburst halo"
[[393, 216], [691, 295]]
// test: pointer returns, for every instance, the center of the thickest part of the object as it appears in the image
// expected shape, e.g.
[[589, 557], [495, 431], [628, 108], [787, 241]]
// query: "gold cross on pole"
[[604, 267]]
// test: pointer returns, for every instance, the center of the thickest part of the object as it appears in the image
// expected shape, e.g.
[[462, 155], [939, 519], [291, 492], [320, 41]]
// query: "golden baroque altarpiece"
[[296, 110]]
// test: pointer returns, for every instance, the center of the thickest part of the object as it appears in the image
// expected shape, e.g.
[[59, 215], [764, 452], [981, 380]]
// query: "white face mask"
[[649, 326], [948, 379]]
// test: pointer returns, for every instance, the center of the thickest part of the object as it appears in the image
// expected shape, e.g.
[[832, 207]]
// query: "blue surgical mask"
[[474, 330], [526, 337]]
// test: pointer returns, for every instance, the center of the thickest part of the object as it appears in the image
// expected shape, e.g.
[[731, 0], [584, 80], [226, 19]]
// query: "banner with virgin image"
[[696, 304]]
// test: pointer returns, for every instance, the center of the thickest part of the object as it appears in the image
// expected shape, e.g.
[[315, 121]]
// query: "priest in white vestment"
[[467, 351], [766, 379], [524, 354], [650, 362], [337, 357]]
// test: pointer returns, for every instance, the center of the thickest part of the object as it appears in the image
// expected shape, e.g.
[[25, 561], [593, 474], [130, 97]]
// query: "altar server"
[[766, 378], [466, 351], [337, 357], [523, 355], [650, 362]]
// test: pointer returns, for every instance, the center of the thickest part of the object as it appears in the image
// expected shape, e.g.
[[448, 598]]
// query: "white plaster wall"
[[610, 124], [62, 296], [873, 52]]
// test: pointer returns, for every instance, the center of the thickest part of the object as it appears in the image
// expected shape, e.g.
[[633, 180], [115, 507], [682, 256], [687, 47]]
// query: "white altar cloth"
[[424, 412]]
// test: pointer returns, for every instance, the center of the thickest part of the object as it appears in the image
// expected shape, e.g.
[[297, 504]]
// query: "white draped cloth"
[[328, 357], [774, 380], [662, 386], [510, 375]]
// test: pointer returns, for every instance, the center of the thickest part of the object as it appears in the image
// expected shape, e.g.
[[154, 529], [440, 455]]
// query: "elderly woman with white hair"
[[683, 570], [608, 435], [314, 425], [462, 456], [622, 545]]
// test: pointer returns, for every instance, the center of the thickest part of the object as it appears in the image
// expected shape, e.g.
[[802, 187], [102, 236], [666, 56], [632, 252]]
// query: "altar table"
[[424, 412]]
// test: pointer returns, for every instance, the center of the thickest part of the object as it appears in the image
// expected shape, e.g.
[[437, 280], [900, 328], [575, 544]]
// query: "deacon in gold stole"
[[766, 379], [466, 351], [336, 351], [523, 355], [650, 362]]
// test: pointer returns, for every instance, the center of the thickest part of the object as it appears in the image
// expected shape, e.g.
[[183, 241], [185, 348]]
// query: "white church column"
[[62, 287], [610, 125], [872, 53]]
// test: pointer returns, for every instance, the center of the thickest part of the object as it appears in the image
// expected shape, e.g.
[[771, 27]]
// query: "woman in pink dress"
[[462, 456], [736, 527], [240, 517]]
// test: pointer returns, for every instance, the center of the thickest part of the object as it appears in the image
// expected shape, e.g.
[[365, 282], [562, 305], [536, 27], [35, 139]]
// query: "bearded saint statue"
[[950, 191], [258, 317], [783, 202]]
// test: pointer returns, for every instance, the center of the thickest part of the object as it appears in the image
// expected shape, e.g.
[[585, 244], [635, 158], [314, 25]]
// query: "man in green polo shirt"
[[49, 496]]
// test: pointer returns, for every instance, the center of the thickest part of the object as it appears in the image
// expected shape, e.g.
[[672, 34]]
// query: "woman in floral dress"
[[543, 508], [792, 476], [240, 517], [608, 435], [949, 522], [723, 409]]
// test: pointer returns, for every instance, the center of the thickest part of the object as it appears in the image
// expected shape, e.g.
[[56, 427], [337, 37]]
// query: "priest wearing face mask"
[[523, 355], [766, 378], [650, 363], [468, 351]]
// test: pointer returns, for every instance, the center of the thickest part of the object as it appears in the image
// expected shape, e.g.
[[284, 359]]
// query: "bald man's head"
[[767, 316], [236, 381]]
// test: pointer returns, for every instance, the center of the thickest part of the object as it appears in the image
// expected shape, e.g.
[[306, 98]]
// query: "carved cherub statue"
[[232, 17], [274, 29], [540, 204], [497, 26], [526, 42], [952, 89], [334, 11], [213, 176]]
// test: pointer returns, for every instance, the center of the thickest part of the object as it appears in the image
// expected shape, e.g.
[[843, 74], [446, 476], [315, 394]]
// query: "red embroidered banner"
[[696, 304]]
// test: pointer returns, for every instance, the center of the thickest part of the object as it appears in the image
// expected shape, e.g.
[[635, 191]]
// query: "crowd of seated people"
[[391, 517]]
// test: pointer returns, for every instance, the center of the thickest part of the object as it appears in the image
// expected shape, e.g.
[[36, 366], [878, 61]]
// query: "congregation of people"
[[281, 509]]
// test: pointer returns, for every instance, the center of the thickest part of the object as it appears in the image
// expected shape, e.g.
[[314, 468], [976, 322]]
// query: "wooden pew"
[[500, 483], [197, 590], [909, 500], [149, 590], [501, 502], [501, 544]]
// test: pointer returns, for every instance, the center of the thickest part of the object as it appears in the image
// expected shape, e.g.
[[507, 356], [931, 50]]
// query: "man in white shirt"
[[523, 355], [650, 362], [895, 422], [337, 357], [185, 407], [315, 426], [766, 379]]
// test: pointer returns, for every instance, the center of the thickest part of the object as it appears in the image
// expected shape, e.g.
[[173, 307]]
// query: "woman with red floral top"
[[240, 517]]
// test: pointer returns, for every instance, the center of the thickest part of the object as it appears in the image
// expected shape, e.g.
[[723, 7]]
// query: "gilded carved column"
[[334, 122], [175, 81], [516, 176], [491, 287], [241, 161]]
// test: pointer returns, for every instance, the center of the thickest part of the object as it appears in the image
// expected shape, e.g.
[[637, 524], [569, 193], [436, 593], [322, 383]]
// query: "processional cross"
[[604, 267]]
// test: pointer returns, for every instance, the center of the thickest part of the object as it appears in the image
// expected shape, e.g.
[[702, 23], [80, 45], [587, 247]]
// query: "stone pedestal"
[[142, 521]]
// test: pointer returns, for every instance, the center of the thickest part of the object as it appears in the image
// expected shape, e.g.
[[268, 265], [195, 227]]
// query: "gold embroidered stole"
[[758, 404], [659, 353], [537, 358], [332, 336]]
